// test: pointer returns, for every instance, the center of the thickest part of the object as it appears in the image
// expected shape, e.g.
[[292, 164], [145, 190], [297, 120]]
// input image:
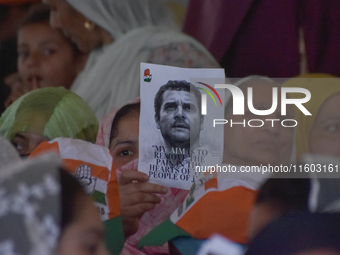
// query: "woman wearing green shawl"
[[45, 114]]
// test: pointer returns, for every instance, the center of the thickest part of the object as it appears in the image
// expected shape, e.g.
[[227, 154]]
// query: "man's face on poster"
[[179, 111]]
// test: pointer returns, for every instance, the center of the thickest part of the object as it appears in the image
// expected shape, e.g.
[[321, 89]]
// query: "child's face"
[[45, 57]]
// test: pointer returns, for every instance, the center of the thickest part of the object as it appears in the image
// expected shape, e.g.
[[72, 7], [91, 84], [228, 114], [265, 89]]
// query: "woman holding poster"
[[119, 131]]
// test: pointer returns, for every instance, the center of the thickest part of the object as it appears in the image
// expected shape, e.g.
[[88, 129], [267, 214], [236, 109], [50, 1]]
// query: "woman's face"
[[25, 142], [124, 147], [65, 17], [85, 235], [269, 144], [324, 136]]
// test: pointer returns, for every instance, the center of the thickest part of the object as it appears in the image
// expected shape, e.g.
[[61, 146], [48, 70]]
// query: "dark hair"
[[6, 8], [37, 14], [124, 111], [4, 11], [40, 13], [298, 232], [71, 191], [176, 86], [285, 194]]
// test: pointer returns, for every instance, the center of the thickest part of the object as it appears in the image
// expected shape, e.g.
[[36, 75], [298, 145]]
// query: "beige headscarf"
[[321, 87]]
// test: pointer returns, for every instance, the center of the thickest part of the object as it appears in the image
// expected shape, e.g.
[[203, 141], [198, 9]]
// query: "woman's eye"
[[49, 52], [333, 128], [23, 54], [18, 146], [125, 153]]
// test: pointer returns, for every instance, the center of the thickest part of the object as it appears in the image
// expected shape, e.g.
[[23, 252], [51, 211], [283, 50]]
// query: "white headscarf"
[[119, 17], [30, 202], [112, 73]]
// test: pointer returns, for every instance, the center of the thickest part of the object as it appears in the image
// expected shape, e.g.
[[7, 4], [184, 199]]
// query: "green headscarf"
[[51, 112]]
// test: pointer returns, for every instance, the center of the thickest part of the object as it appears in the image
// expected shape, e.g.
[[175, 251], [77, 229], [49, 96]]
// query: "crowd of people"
[[74, 91]]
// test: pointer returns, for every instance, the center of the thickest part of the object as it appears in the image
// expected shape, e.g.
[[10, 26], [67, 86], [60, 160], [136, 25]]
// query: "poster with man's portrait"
[[177, 135]]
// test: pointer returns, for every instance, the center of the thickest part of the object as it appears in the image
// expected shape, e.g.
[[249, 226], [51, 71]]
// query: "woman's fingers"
[[137, 198], [133, 181], [145, 187], [129, 176]]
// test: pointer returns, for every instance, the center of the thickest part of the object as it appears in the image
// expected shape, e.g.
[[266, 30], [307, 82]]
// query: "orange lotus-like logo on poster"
[[147, 75]]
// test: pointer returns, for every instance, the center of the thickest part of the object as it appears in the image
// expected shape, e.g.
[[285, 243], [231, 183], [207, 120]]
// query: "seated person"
[[141, 208], [45, 114], [316, 134], [269, 144], [46, 58], [11, 13]]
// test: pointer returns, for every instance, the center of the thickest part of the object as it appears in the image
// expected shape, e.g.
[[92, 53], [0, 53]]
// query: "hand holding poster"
[[175, 134]]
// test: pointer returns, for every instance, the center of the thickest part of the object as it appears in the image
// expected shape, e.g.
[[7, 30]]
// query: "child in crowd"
[[46, 58]]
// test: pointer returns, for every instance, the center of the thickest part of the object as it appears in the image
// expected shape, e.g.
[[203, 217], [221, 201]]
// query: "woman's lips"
[[268, 144]]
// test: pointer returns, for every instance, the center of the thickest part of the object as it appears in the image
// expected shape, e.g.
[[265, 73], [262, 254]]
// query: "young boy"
[[46, 58]]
